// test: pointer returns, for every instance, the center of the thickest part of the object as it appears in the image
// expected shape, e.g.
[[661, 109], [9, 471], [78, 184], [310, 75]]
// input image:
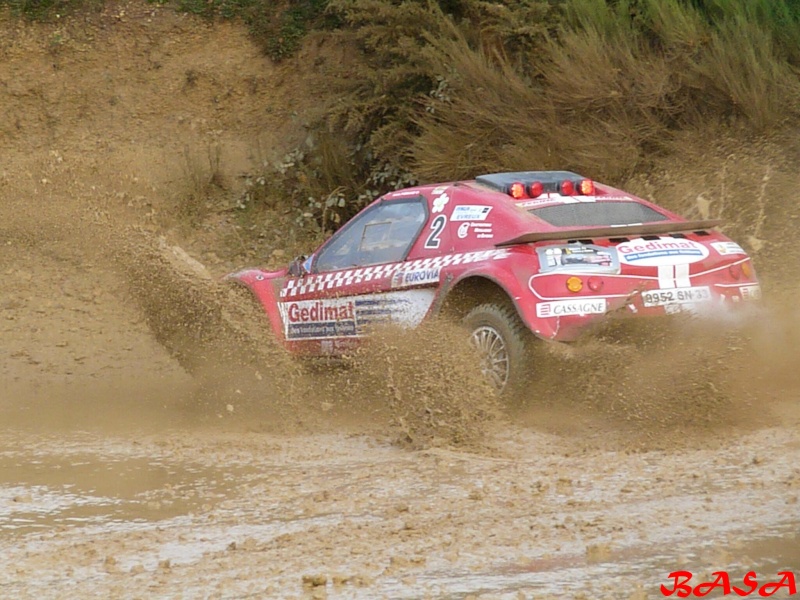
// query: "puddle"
[[40, 491], [250, 516], [633, 569]]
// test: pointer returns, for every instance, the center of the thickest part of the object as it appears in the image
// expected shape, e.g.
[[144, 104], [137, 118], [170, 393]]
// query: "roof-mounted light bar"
[[532, 184]]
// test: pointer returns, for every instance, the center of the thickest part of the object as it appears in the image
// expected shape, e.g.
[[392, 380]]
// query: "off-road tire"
[[504, 344]]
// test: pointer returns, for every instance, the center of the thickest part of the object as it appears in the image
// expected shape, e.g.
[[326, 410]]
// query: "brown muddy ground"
[[393, 476]]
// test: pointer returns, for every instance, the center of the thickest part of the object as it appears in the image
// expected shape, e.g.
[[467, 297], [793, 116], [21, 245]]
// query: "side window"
[[382, 234]]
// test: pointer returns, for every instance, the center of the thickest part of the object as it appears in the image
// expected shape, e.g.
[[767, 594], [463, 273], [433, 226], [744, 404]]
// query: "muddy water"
[[40, 491], [638, 571], [189, 513]]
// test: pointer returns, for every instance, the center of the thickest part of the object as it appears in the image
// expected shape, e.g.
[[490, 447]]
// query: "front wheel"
[[502, 341]]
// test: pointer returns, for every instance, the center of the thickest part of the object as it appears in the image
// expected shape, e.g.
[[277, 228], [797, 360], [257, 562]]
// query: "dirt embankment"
[[125, 477]]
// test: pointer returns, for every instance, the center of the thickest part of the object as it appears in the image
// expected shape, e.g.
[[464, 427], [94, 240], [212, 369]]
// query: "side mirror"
[[297, 267]]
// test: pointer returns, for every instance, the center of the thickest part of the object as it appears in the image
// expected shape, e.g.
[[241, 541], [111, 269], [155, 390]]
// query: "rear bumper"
[[568, 318]]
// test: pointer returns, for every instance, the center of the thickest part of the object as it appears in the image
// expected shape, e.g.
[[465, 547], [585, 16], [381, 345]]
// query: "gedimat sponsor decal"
[[351, 316], [661, 252], [318, 319]]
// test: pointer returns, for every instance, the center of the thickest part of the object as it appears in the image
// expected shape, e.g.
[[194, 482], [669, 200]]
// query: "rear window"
[[591, 214]]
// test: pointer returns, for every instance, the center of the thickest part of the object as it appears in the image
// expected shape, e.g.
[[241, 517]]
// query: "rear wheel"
[[502, 342]]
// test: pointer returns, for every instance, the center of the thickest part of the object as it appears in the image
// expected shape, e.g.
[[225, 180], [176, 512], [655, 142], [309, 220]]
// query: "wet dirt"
[[84, 489], [393, 475], [209, 514]]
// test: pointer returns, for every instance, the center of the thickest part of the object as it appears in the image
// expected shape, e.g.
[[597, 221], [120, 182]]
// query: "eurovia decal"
[[415, 277]]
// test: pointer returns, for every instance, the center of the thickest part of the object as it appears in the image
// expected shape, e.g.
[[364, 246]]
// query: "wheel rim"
[[493, 353]]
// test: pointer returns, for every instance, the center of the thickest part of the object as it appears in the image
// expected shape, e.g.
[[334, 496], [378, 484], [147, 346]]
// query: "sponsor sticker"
[[351, 317], [481, 230], [402, 279], [558, 199], [319, 318], [539, 201], [750, 292], [727, 248], [440, 202], [578, 257], [470, 212], [661, 252], [562, 308]]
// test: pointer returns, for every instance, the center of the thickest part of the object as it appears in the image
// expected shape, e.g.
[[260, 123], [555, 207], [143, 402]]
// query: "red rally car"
[[514, 256]]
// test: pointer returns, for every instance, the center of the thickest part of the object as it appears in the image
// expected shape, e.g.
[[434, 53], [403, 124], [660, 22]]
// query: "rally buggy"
[[513, 256]]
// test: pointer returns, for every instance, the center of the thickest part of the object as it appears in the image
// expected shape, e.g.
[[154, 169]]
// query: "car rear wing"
[[612, 232]]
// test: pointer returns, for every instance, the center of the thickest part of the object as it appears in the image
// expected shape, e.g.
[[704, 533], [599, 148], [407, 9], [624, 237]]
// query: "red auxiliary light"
[[517, 190], [567, 188], [586, 187], [595, 284], [536, 189]]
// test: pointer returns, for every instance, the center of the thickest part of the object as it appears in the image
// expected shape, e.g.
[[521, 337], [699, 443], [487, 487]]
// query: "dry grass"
[[609, 89], [436, 91]]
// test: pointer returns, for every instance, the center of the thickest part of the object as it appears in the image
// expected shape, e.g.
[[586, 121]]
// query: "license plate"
[[676, 296]]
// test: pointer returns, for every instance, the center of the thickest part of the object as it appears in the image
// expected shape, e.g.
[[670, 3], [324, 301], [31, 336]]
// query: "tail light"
[[595, 284]]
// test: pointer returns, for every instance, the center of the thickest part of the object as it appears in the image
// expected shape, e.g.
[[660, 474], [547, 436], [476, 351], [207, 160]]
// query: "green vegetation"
[[279, 27], [43, 10]]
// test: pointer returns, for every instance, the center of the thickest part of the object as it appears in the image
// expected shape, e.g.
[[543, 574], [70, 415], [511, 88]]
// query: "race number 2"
[[437, 227]]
